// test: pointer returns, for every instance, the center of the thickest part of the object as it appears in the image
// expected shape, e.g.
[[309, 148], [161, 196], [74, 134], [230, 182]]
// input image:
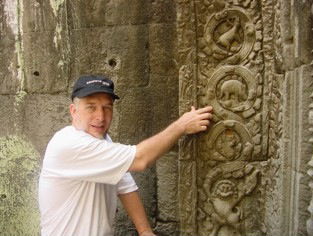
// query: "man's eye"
[[90, 108], [108, 108]]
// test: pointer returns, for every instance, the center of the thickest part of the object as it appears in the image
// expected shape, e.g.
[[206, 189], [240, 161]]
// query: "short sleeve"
[[127, 184], [77, 155]]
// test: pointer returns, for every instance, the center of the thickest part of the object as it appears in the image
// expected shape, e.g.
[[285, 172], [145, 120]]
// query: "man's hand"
[[196, 120], [147, 233]]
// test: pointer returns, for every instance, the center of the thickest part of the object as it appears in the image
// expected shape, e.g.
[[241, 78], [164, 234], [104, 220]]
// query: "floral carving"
[[186, 89]]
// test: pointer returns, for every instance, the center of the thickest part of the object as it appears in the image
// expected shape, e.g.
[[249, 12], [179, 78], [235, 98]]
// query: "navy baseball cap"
[[90, 84]]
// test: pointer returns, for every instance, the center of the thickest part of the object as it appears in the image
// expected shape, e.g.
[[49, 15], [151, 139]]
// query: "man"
[[83, 170]]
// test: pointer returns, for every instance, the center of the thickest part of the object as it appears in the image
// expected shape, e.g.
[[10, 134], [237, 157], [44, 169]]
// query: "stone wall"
[[250, 174], [44, 47]]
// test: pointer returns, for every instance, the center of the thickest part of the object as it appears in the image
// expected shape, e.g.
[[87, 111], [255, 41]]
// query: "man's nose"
[[100, 114]]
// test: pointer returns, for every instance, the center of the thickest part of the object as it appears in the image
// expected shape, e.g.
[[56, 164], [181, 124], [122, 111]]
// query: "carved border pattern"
[[309, 223], [187, 96]]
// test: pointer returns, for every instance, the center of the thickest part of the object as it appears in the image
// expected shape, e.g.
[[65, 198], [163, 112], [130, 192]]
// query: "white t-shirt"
[[79, 182]]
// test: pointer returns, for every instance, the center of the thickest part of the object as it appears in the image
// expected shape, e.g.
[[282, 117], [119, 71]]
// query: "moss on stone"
[[19, 98], [19, 169]]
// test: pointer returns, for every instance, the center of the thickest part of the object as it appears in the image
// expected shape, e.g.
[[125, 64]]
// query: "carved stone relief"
[[223, 67], [229, 36], [309, 222], [225, 187]]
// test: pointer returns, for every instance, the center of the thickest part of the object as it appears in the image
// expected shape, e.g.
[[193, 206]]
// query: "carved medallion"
[[232, 90], [229, 36], [227, 141]]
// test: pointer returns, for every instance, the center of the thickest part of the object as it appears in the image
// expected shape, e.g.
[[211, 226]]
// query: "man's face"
[[93, 114]]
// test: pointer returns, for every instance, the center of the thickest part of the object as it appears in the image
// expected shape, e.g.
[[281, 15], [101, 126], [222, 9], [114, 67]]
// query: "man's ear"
[[73, 109]]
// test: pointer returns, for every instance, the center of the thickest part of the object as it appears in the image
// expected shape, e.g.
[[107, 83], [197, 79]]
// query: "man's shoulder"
[[71, 137], [66, 137], [68, 132]]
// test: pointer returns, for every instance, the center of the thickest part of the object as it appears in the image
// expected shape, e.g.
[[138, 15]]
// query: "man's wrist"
[[179, 128], [147, 232]]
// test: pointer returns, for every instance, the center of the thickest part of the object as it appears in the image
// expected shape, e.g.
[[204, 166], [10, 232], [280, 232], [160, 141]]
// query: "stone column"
[[222, 64], [309, 222], [296, 150]]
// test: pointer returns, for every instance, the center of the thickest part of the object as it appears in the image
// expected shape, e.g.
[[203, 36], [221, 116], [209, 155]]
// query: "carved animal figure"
[[233, 89], [230, 36]]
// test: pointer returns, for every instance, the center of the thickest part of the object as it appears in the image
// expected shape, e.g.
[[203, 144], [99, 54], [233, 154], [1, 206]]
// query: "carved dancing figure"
[[226, 196]]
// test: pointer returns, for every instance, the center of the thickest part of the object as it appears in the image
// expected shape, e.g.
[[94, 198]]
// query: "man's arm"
[[149, 150], [134, 208]]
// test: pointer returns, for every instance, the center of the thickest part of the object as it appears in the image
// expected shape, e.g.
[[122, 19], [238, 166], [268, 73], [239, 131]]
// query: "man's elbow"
[[143, 158], [139, 164]]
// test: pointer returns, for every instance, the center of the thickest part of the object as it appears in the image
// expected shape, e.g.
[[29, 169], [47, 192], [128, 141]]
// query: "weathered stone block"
[[162, 11], [121, 12], [38, 16], [19, 169], [10, 82], [46, 65], [89, 52], [133, 103], [118, 52], [162, 51], [167, 173], [164, 102], [86, 14], [303, 34], [45, 114], [7, 115], [146, 182], [9, 79]]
